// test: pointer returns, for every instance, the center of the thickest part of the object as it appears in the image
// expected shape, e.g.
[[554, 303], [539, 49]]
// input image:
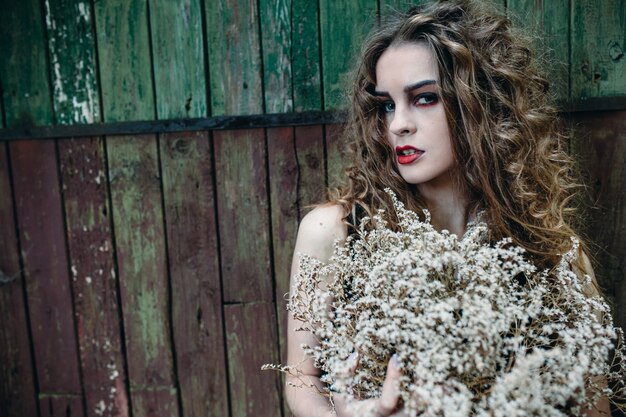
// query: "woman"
[[449, 111]]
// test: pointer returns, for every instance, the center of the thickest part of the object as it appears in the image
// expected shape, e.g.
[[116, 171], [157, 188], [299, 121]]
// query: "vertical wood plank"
[[240, 158], [23, 67], [549, 22], [598, 39], [194, 270], [305, 57], [335, 160], [343, 25], [72, 59], [251, 343], [84, 181], [17, 390], [141, 259], [600, 145], [44, 255], [176, 29], [234, 57], [276, 45], [124, 60]]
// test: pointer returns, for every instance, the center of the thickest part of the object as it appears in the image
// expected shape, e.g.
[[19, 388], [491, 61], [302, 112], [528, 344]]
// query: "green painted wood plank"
[[72, 55], [176, 30], [343, 26], [276, 45], [124, 60], [391, 6], [548, 21], [17, 390], [251, 339], [46, 271], [142, 265], [193, 255], [234, 57], [598, 41], [305, 57], [600, 146], [244, 225], [23, 67], [88, 225]]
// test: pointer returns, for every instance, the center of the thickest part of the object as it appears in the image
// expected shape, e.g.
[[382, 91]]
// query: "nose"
[[402, 123]]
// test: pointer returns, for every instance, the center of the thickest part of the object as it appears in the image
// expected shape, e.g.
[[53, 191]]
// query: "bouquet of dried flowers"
[[477, 328]]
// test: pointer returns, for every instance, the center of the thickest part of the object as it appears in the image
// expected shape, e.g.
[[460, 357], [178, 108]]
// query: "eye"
[[425, 99], [387, 107]]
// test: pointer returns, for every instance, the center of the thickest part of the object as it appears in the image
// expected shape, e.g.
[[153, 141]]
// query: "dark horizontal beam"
[[175, 125], [241, 122]]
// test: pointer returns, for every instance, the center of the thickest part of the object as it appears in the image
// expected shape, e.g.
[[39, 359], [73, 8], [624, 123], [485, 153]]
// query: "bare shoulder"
[[319, 230]]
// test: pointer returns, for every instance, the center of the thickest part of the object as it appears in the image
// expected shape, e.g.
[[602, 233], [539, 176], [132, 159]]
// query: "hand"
[[384, 406]]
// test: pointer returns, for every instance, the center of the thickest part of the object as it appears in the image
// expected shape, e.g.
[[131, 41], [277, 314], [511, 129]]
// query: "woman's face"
[[417, 130]]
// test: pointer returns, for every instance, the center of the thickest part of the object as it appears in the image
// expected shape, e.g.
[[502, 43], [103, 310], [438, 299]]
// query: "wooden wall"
[[144, 274]]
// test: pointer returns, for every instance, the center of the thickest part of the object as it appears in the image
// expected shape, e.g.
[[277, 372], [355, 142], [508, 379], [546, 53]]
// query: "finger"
[[391, 388]]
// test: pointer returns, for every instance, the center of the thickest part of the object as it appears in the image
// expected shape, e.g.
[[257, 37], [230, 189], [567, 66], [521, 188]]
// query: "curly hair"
[[507, 140]]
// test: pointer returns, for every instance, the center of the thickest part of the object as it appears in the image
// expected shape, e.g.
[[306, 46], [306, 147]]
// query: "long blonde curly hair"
[[507, 141]]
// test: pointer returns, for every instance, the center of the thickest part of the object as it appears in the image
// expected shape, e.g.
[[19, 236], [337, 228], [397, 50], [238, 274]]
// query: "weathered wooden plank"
[[305, 57], [598, 40], [310, 152], [176, 30], [71, 50], [335, 159], [53, 405], [241, 173], [549, 22], [46, 271], [142, 266], [390, 6], [25, 92], [600, 146], [124, 60], [251, 332], [234, 57], [88, 224], [343, 24], [193, 256], [276, 45], [17, 390]]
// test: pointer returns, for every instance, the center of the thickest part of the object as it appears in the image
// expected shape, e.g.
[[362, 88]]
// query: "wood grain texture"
[[244, 224], [335, 155], [234, 57], [25, 88], [548, 22], [46, 271], [343, 26], [600, 146], [72, 55], [275, 19], [124, 60], [141, 259], [88, 224], [305, 56], [251, 338], [17, 390], [193, 256], [176, 30], [598, 41], [54, 405]]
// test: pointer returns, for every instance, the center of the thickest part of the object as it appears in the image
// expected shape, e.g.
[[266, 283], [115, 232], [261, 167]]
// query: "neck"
[[448, 208]]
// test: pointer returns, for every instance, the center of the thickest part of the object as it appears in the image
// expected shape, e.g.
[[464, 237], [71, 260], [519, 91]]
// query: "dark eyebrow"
[[406, 89]]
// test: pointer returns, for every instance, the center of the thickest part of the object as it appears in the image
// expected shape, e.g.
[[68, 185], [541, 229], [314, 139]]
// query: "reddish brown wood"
[[17, 389], [243, 215], [194, 271], [335, 160], [62, 406], [310, 150], [142, 264], [40, 224], [600, 145], [84, 181], [251, 333]]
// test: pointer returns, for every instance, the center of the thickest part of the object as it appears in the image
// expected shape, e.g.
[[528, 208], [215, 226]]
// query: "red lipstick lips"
[[407, 154]]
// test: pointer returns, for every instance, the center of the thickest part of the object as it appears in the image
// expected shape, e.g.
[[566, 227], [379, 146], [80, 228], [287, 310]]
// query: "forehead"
[[406, 63]]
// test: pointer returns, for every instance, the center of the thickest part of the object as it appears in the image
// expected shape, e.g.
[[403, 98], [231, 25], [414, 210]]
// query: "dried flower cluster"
[[478, 330]]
